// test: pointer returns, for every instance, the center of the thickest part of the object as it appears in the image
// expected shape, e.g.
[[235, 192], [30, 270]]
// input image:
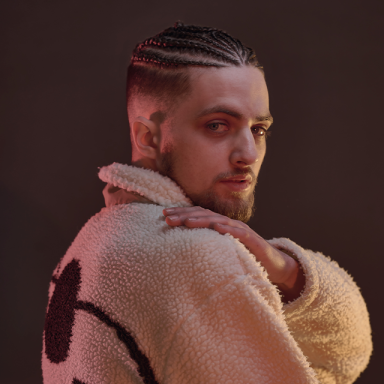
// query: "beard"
[[236, 207]]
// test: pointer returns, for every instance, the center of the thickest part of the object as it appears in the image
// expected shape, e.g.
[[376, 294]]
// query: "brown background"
[[62, 84]]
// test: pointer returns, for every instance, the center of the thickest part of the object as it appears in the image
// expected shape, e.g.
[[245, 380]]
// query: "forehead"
[[239, 88]]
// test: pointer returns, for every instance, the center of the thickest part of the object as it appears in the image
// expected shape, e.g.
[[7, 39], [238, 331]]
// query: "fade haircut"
[[158, 64]]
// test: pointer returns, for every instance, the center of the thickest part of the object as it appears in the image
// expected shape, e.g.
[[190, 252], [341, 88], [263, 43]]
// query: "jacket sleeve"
[[234, 330], [329, 321]]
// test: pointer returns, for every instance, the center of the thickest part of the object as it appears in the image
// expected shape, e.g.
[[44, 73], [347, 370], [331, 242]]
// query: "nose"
[[245, 151]]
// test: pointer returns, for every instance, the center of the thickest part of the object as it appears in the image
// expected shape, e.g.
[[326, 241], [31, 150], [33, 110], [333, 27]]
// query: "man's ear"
[[145, 134]]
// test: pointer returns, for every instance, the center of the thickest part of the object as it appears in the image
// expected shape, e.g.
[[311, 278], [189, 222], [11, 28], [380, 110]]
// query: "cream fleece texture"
[[197, 305]]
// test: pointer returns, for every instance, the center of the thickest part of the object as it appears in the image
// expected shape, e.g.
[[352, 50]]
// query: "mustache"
[[243, 172]]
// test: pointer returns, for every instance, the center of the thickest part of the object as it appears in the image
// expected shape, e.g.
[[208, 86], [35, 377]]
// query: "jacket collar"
[[143, 185]]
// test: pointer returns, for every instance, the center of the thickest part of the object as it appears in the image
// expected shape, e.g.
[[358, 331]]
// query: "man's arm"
[[283, 270], [329, 320]]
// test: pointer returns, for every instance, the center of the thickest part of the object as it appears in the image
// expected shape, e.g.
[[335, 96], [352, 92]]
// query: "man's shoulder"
[[120, 219], [147, 220], [126, 238], [137, 234], [113, 226]]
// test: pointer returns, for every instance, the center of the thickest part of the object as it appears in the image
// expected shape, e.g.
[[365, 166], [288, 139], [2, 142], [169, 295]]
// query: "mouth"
[[238, 179], [237, 183]]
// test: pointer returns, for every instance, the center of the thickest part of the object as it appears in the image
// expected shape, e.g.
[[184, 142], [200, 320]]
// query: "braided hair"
[[158, 64]]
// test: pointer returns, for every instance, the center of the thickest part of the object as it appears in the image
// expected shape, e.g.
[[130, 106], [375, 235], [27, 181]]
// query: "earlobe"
[[145, 137]]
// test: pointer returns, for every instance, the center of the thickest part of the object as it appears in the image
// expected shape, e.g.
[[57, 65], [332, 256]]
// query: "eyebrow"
[[231, 112]]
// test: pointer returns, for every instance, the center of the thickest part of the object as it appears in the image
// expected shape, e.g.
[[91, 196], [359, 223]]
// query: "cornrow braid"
[[159, 65], [201, 46], [170, 61], [204, 39], [168, 44]]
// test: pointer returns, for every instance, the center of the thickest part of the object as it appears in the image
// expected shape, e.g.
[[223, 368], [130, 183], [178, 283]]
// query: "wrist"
[[294, 284]]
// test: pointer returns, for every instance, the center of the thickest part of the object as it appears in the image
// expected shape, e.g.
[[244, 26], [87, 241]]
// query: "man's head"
[[198, 111]]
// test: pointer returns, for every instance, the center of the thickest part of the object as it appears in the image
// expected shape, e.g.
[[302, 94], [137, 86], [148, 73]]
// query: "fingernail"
[[192, 218], [169, 210], [174, 217]]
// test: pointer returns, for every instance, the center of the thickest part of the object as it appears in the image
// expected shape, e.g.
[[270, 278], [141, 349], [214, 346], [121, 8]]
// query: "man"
[[168, 284]]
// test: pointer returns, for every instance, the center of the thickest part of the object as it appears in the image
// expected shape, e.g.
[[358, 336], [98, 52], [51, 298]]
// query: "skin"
[[214, 134]]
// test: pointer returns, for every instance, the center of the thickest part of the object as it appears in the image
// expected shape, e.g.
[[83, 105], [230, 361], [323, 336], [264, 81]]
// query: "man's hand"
[[283, 270]]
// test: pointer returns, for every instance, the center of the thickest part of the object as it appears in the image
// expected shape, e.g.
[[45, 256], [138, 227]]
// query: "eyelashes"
[[214, 127], [265, 132], [257, 130]]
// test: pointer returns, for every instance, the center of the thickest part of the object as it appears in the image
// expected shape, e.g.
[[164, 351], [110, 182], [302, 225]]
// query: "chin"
[[235, 207]]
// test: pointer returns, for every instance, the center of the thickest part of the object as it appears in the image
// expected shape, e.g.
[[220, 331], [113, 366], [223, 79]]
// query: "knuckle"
[[243, 233]]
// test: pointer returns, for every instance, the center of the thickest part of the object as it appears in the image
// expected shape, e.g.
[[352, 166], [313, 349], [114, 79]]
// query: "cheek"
[[261, 151], [197, 164]]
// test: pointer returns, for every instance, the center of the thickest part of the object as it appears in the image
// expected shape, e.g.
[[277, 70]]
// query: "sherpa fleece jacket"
[[136, 301]]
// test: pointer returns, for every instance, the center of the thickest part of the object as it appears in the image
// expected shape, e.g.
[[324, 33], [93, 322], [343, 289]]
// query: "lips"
[[239, 178], [237, 183]]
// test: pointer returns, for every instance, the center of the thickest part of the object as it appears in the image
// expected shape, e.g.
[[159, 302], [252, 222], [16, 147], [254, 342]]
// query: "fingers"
[[198, 217], [236, 232], [249, 238], [185, 210], [219, 223], [190, 216], [194, 221]]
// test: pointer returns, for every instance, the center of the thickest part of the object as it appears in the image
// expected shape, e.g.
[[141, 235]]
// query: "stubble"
[[236, 207]]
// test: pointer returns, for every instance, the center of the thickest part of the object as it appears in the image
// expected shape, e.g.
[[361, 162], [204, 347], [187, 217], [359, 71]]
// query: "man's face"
[[214, 144]]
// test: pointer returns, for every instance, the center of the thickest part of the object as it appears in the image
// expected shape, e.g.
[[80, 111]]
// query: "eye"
[[260, 131], [217, 127]]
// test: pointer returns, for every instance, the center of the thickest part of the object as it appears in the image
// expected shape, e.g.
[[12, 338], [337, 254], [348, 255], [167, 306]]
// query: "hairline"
[[168, 106]]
